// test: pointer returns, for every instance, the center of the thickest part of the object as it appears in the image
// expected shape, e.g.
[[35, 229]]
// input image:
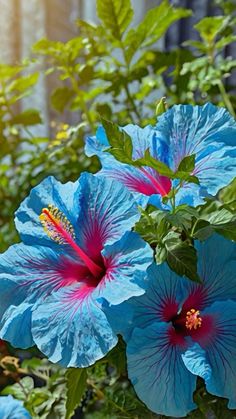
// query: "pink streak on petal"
[[205, 334]]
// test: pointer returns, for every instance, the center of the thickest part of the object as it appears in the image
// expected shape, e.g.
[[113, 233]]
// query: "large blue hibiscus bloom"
[[206, 131], [179, 330], [11, 408], [77, 249]]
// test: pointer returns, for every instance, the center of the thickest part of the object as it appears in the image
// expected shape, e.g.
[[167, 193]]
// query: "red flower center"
[[59, 229]]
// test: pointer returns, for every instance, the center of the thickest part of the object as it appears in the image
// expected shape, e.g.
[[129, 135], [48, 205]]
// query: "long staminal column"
[[59, 229]]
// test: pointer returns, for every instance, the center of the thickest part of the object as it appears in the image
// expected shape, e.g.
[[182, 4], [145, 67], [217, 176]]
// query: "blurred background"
[[24, 22]]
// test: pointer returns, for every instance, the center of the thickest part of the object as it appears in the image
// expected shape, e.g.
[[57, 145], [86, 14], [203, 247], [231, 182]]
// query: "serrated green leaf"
[[181, 256], [76, 386], [116, 15], [159, 166], [153, 26], [120, 142]]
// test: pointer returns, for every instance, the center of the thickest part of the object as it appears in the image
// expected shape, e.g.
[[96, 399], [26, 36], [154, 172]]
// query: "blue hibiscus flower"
[[206, 131], [77, 249], [11, 408], [180, 330]]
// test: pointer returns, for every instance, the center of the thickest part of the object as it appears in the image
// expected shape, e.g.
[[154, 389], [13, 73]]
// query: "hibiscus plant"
[[118, 298]]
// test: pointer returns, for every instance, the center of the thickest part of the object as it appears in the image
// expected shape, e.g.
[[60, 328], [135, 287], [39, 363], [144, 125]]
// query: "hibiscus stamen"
[[193, 321], [59, 229]]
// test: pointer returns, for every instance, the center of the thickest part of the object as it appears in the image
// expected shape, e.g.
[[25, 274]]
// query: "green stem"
[[131, 101], [226, 98], [126, 86], [83, 104]]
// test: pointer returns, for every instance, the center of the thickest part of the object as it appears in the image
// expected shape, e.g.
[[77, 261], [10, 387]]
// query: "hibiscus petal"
[[207, 131], [143, 183], [107, 211], [216, 268], [127, 262], [16, 326], [221, 351], [70, 330], [158, 373], [195, 360], [49, 191], [11, 408]]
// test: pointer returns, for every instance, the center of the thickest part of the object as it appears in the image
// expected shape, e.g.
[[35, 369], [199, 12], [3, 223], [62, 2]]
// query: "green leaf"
[[61, 97], [225, 40], [117, 357], [160, 254], [24, 83], [27, 118], [76, 386], [181, 256], [152, 27], [161, 107], [121, 143], [116, 15], [187, 164], [20, 390], [210, 27], [159, 166]]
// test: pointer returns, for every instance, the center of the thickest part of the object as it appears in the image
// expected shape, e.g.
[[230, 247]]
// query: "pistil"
[[59, 229]]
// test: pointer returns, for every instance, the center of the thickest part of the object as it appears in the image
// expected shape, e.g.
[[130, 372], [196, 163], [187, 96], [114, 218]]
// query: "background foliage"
[[115, 71]]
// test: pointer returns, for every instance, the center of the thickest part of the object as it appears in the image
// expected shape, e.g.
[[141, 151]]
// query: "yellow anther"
[[193, 321], [56, 225]]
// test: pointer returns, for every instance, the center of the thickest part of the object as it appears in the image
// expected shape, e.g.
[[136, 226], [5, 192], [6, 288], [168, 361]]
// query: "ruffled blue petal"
[[207, 131], [133, 178], [163, 297], [158, 373], [72, 332], [49, 191], [11, 408], [27, 274], [126, 277], [16, 326], [221, 352], [107, 211], [195, 360], [161, 301], [217, 269]]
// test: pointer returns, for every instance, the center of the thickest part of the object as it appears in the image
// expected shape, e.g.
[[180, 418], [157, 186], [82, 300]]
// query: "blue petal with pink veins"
[[49, 191], [142, 182], [72, 331], [221, 352], [217, 269], [85, 253], [157, 371], [207, 131]]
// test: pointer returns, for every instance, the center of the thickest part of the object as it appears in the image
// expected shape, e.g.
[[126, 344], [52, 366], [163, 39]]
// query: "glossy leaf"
[[116, 15], [76, 386]]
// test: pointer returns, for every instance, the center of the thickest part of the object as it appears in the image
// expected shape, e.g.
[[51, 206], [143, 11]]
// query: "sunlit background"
[[23, 22]]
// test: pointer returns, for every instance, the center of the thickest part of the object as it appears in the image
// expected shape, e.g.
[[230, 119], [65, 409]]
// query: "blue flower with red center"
[[77, 250], [206, 131], [11, 408], [179, 330]]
